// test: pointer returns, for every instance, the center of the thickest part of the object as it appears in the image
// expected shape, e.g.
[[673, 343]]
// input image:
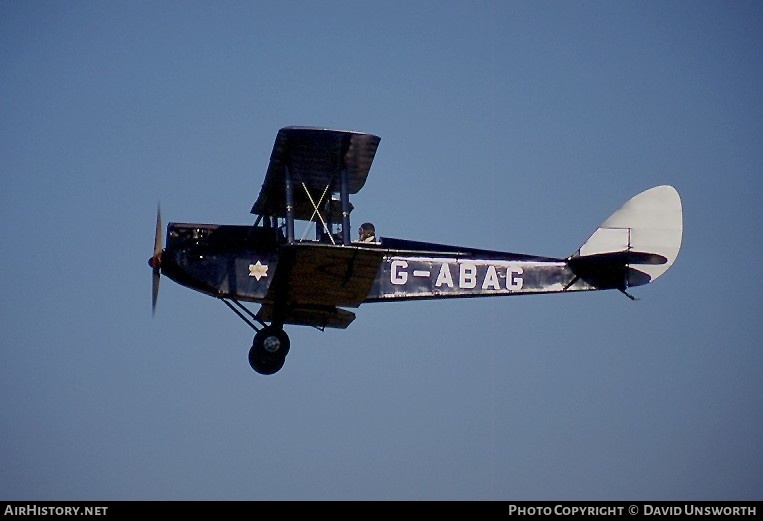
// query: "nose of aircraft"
[[156, 261]]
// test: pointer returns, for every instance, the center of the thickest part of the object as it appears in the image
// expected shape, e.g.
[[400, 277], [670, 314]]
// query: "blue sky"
[[516, 126]]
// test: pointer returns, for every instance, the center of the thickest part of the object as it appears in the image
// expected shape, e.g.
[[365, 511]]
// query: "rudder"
[[636, 244]]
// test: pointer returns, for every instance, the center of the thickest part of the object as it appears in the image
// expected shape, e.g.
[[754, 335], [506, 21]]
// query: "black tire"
[[269, 349]]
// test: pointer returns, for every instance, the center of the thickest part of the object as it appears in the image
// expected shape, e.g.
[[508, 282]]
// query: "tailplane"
[[636, 244]]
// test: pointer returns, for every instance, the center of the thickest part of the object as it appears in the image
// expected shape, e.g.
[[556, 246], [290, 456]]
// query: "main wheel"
[[269, 349]]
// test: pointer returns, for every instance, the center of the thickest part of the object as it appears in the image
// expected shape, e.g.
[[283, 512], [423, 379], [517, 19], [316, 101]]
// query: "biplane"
[[317, 280]]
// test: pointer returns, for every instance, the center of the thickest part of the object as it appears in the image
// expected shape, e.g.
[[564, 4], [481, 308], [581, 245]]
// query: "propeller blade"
[[154, 291], [158, 234], [156, 260]]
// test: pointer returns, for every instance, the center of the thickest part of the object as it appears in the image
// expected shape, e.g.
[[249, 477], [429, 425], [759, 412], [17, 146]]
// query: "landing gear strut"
[[269, 349]]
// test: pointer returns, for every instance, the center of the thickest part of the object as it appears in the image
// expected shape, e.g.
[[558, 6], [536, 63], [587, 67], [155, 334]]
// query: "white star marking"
[[258, 270]]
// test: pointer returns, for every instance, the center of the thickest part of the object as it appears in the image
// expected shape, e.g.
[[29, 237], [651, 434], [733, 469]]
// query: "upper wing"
[[314, 157]]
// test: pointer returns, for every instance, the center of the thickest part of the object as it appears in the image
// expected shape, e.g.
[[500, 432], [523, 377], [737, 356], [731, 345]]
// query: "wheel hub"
[[271, 344]]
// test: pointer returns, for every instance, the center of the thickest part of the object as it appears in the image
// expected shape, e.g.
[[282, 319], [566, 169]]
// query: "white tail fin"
[[646, 232]]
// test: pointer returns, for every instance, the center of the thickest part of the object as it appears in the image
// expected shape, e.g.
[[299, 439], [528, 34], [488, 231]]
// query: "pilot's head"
[[366, 231]]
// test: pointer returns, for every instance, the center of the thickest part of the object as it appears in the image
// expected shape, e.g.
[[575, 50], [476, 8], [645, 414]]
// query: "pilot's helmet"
[[366, 231]]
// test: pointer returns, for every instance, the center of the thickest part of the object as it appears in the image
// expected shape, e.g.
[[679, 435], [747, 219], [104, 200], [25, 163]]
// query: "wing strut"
[[345, 198], [289, 189], [344, 194], [316, 212]]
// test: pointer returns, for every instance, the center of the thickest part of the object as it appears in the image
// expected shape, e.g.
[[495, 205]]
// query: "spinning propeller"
[[156, 260]]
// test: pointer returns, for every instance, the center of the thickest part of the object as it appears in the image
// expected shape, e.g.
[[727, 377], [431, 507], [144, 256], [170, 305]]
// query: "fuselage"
[[242, 262]]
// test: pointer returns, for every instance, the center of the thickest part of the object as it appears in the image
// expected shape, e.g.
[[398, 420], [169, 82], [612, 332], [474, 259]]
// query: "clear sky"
[[516, 126]]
